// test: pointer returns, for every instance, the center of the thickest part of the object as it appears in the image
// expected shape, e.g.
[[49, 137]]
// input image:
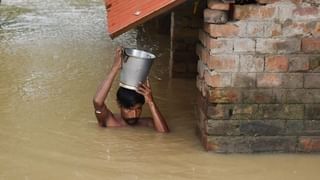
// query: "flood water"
[[53, 55]]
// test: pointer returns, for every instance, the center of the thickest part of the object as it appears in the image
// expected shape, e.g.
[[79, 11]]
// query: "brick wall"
[[185, 23], [259, 76]]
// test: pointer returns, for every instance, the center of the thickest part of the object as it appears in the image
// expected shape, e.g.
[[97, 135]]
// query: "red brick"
[[253, 12], [215, 79], [306, 13], [218, 5], [311, 45], [220, 45], [269, 80], [276, 64], [309, 144], [224, 95], [222, 30], [280, 80], [224, 63]]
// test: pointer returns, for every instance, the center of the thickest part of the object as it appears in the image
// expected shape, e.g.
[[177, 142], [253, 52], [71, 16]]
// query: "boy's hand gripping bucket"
[[135, 67]]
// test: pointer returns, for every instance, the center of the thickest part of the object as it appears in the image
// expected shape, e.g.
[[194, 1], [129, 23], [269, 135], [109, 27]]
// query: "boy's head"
[[130, 103]]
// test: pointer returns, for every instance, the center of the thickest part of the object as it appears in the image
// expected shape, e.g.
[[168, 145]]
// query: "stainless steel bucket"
[[135, 68]]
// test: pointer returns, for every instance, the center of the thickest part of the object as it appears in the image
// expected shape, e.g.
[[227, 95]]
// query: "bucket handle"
[[125, 57]]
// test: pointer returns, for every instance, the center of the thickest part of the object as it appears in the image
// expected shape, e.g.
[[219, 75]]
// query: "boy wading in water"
[[130, 103]]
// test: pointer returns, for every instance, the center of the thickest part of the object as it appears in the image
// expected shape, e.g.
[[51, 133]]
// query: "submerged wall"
[[259, 76]]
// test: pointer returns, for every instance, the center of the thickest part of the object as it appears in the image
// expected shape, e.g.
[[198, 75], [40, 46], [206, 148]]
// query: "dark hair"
[[128, 98]]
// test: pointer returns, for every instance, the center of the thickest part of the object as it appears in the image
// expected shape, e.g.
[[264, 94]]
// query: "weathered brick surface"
[[306, 13], [260, 77], [223, 95], [202, 86], [254, 12], [233, 111], [267, 1], [280, 111], [281, 46], [220, 45], [262, 127], [278, 63], [295, 128], [273, 144], [309, 144], [280, 80], [202, 68], [223, 127], [222, 30], [215, 16], [307, 96], [202, 53], [260, 29], [311, 45], [312, 80], [218, 5], [258, 96], [247, 80], [215, 79], [298, 63], [314, 63], [223, 63], [311, 127], [244, 45], [251, 63], [292, 28], [312, 112]]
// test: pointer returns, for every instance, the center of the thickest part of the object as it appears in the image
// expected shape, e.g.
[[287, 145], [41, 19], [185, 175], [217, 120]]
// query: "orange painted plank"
[[122, 15]]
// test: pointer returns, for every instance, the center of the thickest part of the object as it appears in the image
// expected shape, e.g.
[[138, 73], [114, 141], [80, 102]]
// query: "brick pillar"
[[259, 77]]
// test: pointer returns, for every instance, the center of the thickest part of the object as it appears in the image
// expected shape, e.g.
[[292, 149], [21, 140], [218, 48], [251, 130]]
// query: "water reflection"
[[53, 55]]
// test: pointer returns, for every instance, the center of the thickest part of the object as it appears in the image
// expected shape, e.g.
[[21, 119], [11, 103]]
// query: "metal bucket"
[[135, 68]]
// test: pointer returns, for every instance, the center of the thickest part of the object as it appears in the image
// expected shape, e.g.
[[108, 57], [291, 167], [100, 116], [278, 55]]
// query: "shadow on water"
[[9, 14]]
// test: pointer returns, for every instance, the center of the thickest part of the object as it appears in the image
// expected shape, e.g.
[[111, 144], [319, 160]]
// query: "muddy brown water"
[[53, 55]]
